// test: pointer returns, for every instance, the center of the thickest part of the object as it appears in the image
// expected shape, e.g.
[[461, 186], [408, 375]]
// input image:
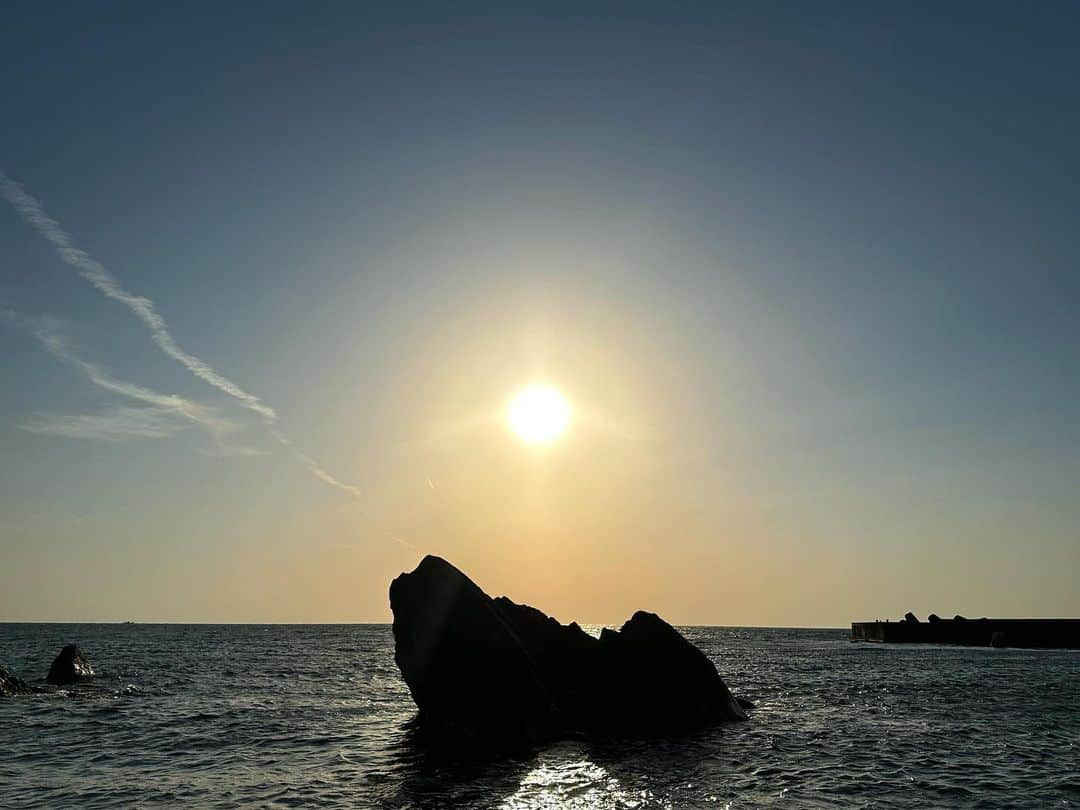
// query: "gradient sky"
[[807, 273]]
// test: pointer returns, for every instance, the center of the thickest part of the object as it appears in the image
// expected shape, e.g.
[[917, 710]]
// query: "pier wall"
[[1029, 633]]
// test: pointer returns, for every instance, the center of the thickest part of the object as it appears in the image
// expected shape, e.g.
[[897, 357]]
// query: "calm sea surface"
[[302, 715]]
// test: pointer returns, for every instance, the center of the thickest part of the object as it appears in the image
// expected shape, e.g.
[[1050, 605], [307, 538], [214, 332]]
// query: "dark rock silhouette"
[[10, 684], [70, 666], [658, 682], [468, 673], [490, 673], [933, 618], [911, 618]]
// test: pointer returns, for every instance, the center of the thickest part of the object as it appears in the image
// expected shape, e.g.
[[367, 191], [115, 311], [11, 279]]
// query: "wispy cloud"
[[108, 285], [405, 543], [113, 424], [163, 415], [31, 210], [50, 333], [313, 466], [225, 450]]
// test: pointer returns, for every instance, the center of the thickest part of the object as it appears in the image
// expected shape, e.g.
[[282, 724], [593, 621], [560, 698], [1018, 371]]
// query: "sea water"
[[316, 715]]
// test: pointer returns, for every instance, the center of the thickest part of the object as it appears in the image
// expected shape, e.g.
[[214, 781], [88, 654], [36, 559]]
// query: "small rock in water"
[[70, 666], [10, 684]]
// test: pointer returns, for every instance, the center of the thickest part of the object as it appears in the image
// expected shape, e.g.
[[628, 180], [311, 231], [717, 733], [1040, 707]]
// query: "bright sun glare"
[[538, 414]]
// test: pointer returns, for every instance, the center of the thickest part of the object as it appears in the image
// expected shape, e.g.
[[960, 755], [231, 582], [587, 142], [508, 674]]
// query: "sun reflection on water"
[[577, 784]]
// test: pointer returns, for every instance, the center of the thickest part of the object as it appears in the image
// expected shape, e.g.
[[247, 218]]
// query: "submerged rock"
[[70, 666], [492, 673], [10, 684]]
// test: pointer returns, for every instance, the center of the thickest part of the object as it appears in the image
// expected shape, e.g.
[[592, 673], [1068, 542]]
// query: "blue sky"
[[810, 274]]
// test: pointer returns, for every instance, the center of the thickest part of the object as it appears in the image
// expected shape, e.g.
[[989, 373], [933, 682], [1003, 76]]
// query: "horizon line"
[[390, 623]]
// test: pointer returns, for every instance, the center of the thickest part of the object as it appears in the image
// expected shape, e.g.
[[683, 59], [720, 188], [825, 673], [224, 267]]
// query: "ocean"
[[279, 715]]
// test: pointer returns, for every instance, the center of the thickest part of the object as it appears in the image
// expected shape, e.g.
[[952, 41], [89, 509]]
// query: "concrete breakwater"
[[1026, 633]]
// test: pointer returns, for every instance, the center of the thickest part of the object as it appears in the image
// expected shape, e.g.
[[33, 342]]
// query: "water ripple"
[[285, 716]]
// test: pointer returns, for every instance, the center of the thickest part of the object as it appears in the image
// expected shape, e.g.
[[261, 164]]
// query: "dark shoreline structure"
[[492, 676], [1023, 633]]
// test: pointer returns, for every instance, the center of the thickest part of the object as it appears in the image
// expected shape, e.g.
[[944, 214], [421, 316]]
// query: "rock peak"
[[70, 666]]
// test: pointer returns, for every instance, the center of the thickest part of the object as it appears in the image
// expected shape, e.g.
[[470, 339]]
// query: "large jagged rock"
[[70, 666], [492, 673], [566, 659], [468, 673], [10, 684], [659, 681]]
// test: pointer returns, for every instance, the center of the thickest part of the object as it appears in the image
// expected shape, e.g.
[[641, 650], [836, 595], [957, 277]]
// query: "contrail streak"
[[405, 543], [108, 285], [49, 333], [313, 466]]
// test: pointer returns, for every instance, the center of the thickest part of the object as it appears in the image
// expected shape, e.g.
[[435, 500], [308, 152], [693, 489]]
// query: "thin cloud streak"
[[116, 424], [405, 543], [313, 466], [108, 285], [49, 332], [233, 451]]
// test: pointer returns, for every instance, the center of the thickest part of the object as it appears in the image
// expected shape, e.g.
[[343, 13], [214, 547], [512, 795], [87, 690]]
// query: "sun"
[[538, 414]]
